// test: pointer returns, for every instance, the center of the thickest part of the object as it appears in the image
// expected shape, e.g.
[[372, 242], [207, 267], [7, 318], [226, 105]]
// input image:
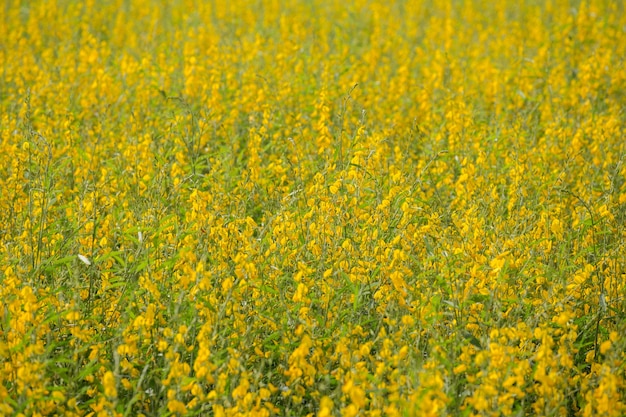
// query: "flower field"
[[308, 207]]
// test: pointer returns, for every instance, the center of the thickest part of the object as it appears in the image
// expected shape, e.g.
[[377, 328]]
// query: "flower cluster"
[[355, 208]]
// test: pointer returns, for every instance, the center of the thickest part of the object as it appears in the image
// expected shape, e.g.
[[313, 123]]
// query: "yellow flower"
[[605, 347], [177, 407], [326, 407], [109, 384]]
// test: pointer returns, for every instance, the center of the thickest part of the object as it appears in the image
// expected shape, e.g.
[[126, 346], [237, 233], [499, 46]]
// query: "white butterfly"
[[84, 259]]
